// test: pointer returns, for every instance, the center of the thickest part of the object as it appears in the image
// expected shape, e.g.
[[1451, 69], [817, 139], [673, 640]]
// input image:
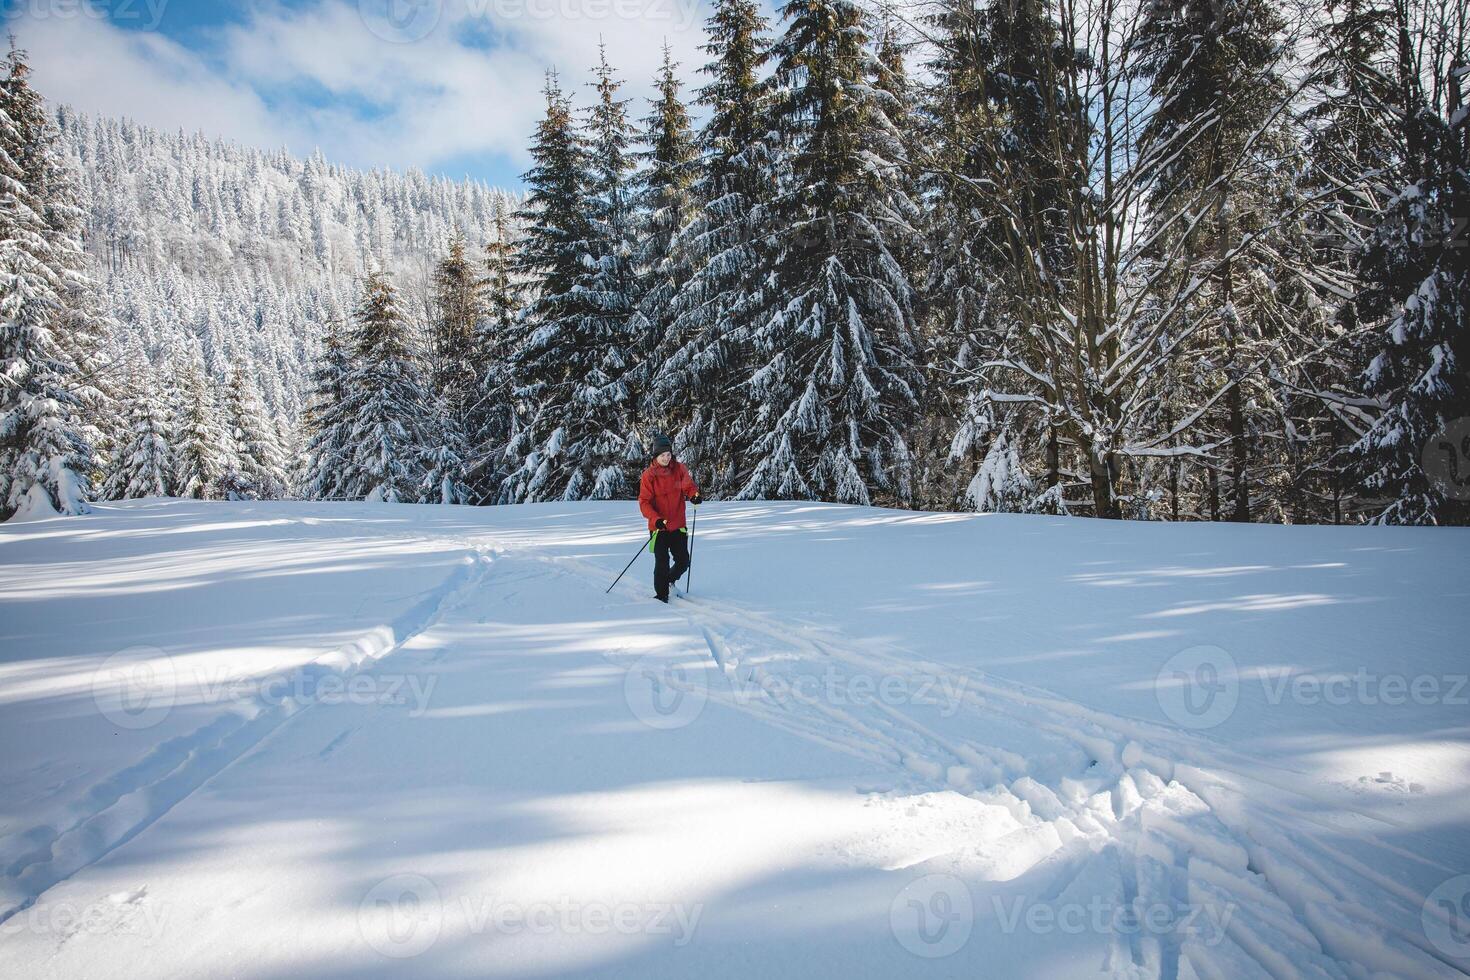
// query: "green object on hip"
[[654, 537]]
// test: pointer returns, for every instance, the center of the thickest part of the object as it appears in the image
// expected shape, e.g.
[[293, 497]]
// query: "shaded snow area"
[[280, 740]]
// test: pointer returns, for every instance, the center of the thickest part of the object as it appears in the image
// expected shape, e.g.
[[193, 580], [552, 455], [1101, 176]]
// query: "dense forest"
[[1197, 261]]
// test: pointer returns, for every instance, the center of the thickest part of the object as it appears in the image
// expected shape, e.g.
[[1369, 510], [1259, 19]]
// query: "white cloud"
[[317, 75], [98, 68]]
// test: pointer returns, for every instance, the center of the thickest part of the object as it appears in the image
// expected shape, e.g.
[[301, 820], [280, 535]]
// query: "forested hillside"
[[241, 257]]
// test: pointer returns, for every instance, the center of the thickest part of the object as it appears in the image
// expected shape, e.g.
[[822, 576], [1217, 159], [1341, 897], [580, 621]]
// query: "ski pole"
[[689, 575], [630, 564]]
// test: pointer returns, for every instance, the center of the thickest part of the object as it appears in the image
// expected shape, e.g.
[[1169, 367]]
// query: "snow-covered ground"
[[342, 740]]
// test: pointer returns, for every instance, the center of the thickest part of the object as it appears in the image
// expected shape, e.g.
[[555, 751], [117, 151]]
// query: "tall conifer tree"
[[386, 405], [705, 349], [835, 382], [46, 456]]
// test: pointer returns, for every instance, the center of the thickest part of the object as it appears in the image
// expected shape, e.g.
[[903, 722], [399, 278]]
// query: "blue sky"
[[449, 86]]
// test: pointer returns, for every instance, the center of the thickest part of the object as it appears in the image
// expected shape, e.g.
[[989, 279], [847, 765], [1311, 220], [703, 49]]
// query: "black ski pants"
[[669, 544]]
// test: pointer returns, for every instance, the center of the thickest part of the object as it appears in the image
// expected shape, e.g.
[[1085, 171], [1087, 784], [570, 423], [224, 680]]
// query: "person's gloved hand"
[[696, 500], [661, 524]]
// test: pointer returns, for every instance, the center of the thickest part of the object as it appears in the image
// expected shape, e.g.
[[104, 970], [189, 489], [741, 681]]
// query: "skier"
[[664, 487]]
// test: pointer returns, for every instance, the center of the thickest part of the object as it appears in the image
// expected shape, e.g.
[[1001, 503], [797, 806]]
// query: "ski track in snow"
[[1178, 821], [1157, 817], [128, 802]]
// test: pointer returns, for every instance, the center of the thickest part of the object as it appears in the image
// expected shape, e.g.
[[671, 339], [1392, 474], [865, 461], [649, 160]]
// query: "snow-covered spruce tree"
[[198, 457], [386, 407], [254, 468], [940, 475], [549, 262], [491, 415], [328, 428], [1000, 485], [126, 360], [1353, 152], [1415, 272], [1352, 143], [444, 469], [458, 297], [965, 305], [455, 372], [704, 352], [901, 106], [609, 294], [145, 462], [46, 457], [1217, 68], [84, 324], [292, 444], [1003, 161], [577, 440], [835, 382], [665, 207], [1025, 45]]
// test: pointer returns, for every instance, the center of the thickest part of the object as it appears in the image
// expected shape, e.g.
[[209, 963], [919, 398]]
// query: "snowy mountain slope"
[[407, 740], [247, 255]]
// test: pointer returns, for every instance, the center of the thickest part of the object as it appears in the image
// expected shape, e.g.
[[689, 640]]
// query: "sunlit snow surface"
[[343, 740]]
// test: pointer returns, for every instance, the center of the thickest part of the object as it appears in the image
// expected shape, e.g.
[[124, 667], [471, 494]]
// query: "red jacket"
[[662, 492]]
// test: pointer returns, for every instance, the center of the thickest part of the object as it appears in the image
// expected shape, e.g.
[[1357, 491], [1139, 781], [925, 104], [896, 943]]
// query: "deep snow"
[[287, 739]]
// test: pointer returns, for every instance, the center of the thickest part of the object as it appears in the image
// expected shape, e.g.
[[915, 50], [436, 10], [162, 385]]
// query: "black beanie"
[[661, 443]]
